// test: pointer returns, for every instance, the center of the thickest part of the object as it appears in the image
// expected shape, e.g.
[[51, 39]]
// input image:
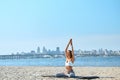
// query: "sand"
[[35, 72]]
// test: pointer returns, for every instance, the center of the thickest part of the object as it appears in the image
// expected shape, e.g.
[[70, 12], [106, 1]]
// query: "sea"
[[86, 61]]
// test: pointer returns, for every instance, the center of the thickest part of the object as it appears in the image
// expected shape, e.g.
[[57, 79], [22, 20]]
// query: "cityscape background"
[[79, 51], [47, 53]]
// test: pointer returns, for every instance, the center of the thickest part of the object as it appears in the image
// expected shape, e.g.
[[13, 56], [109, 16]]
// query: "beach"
[[36, 72]]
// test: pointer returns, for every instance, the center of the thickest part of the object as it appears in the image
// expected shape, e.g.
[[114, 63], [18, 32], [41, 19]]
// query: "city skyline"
[[57, 50], [48, 53], [92, 24]]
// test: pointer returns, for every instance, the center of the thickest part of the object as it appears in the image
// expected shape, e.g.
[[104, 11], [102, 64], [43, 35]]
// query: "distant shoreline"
[[31, 56]]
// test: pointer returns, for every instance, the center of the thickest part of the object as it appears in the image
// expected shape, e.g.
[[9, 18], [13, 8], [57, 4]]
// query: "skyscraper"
[[44, 51], [38, 50], [58, 50]]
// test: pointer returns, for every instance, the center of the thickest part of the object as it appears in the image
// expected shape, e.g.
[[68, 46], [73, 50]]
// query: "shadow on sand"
[[77, 77]]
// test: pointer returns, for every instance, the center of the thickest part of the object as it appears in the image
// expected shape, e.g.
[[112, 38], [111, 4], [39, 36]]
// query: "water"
[[111, 61]]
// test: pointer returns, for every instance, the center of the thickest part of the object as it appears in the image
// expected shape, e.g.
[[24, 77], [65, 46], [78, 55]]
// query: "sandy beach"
[[35, 72]]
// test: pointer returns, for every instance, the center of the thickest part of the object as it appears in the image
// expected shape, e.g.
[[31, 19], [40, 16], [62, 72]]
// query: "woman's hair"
[[70, 52]]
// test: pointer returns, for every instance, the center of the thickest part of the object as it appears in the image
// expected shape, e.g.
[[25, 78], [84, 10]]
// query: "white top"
[[68, 63]]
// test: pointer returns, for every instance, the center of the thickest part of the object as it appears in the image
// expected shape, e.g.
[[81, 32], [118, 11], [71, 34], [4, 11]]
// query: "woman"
[[69, 62]]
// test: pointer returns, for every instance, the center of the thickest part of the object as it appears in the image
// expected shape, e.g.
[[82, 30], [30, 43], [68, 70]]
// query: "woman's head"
[[69, 54]]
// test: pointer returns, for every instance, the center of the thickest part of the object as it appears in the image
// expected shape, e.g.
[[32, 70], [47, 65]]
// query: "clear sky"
[[26, 24]]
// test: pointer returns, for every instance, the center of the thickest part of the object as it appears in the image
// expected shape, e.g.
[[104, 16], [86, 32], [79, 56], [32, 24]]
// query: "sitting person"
[[69, 62]]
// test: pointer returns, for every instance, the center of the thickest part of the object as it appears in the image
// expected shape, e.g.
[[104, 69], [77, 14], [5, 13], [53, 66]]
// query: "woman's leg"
[[61, 75], [71, 74]]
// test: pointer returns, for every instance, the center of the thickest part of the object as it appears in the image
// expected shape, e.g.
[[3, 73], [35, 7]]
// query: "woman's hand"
[[71, 41]]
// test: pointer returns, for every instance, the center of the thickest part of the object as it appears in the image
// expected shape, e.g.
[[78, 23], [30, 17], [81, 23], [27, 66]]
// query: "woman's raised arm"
[[67, 46], [73, 58]]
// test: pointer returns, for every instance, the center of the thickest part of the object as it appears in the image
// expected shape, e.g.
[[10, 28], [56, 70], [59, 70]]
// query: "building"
[[57, 50], [38, 50], [44, 51]]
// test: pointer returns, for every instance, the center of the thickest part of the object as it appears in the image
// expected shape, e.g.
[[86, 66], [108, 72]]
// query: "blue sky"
[[26, 24]]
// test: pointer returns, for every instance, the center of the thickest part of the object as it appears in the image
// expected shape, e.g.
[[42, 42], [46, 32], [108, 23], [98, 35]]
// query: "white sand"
[[34, 73]]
